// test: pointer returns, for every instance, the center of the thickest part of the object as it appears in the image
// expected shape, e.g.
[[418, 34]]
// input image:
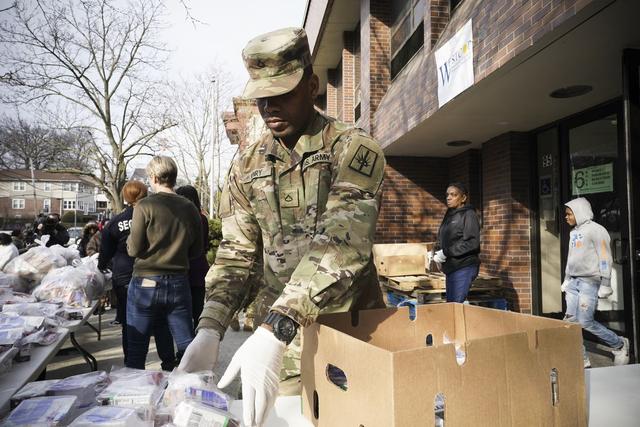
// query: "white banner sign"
[[454, 64]]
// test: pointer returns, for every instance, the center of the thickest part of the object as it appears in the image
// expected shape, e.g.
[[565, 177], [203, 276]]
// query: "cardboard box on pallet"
[[518, 370]]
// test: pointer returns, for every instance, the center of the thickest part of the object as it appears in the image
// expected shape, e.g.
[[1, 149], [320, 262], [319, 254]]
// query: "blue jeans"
[[459, 282], [151, 301], [582, 300]]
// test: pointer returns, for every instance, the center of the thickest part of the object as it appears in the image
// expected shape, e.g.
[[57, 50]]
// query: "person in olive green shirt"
[[165, 234]]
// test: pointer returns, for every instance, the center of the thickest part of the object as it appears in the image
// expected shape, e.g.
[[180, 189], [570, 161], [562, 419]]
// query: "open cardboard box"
[[518, 370]]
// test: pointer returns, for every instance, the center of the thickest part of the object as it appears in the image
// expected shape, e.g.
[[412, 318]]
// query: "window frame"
[[20, 202], [19, 186], [401, 48]]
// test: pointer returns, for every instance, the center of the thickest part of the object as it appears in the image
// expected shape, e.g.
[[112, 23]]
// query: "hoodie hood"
[[581, 210]]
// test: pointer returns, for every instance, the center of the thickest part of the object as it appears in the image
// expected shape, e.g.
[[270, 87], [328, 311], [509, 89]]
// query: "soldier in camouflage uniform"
[[303, 201]]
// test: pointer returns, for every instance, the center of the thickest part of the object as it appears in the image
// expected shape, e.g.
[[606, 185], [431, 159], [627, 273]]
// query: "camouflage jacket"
[[309, 215]]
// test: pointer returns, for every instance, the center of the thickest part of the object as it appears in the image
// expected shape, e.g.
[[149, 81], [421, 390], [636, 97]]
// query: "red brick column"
[[375, 50], [435, 21], [506, 236], [348, 68]]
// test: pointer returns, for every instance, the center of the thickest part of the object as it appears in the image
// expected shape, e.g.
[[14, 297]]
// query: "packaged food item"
[[84, 386], [198, 384], [69, 254], [110, 416], [41, 411], [195, 414], [24, 352], [7, 354], [211, 396], [10, 336], [31, 390], [134, 388]]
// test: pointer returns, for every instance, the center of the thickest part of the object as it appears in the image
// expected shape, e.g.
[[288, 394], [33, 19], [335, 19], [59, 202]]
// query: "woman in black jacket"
[[458, 247]]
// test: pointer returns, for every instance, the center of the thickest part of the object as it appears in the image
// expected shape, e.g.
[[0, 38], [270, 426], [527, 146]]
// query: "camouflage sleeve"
[[226, 288], [341, 247]]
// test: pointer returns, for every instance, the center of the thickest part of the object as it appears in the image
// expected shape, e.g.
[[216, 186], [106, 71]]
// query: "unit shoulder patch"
[[363, 161]]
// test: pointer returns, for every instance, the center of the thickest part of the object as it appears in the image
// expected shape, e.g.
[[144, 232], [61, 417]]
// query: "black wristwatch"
[[284, 328]]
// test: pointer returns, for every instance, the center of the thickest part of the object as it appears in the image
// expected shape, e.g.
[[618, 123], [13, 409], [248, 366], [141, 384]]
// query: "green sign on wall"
[[594, 179]]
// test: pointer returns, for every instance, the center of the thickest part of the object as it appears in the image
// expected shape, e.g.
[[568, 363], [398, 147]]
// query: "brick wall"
[[465, 168], [435, 20], [332, 94], [506, 235], [413, 201], [502, 29], [375, 49]]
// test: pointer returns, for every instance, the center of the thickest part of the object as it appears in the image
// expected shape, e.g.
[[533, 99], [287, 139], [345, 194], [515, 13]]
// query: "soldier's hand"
[[258, 360], [202, 353]]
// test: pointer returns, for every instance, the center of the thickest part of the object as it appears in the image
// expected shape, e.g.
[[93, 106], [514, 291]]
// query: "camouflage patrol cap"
[[276, 62]]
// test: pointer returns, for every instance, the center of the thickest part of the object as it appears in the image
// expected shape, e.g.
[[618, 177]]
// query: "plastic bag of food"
[[34, 264], [74, 286], [110, 416], [10, 296], [69, 254], [195, 414], [31, 390], [45, 309], [9, 282], [41, 411], [133, 388]]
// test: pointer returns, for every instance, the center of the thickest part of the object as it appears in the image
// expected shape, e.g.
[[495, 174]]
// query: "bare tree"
[[196, 140], [102, 58], [25, 144]]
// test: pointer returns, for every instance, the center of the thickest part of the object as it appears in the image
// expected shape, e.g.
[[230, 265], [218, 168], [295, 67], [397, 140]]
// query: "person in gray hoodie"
[[588, 271]]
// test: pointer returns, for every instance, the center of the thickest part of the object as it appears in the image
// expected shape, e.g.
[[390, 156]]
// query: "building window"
[[356, 73], [46, 205], [101, 205], [17, 203], [19, 186], [68, 204], [71, 186], [407, 32], [47, 186]]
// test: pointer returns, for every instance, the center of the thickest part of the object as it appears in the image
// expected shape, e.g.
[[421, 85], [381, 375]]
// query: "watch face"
[[286, 328]]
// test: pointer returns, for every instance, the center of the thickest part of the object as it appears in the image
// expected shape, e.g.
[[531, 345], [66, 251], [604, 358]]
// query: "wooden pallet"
[[434, 281]]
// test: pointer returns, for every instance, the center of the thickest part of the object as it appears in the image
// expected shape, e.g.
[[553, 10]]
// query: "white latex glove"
[[439, 257], [564, 285], [605, 291], [259, 360], [202, 353]]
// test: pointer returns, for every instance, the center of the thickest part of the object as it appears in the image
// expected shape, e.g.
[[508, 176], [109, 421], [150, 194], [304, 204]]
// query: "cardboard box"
[[518, 370], [400, 259]]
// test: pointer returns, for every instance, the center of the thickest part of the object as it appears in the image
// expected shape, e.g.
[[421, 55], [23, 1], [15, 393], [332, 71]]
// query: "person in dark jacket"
[[198, 266], [113, 250], [458, 248], [50, 225], [88, 233]]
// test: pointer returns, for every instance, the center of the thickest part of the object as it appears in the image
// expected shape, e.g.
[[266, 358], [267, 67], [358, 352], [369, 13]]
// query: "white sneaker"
[[587, 363], [621, 356], [604, 292]]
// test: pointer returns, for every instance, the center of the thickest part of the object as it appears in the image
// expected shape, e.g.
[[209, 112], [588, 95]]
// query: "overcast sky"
[[227, 27]]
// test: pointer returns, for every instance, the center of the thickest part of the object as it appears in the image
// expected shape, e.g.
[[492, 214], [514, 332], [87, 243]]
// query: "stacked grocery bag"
[[123, 398], [40, 291]]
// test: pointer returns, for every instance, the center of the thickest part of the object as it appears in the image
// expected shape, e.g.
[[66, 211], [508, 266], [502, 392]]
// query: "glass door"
[[597, 172]]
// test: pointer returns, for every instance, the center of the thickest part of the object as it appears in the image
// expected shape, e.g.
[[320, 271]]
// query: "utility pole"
[[33, 185], [213, 148]]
